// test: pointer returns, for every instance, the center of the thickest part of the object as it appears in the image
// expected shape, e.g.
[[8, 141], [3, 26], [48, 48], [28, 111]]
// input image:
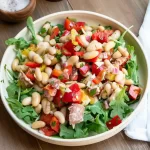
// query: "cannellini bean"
[[90, 55], [52, 50], [58, 66], [46, 26], [117, 54], [108, 89], [36, 98], [115, 35], [87, 28], [37, 59], [15, 63], [101, 28], [108, 46], [31, 54], [46, 60], [123, 51], [39, 38], [79, 64], [114, 85], [26, 101], [21, 68], [104, 95], [48, 70], [39, 89], [64, 39], [83, 40], [42, 47], [38, 108], [63, 59], [64, 111], [38, 124], [81, 85], [54, 61], [45, 78], [107, 63], [72, 60], [46, 106], [38, 74], [59, 115], [94, 45], [52, 42], [124, 71], [129, 82], [52, 106], [47, 38], [119, 77], [114, 94]]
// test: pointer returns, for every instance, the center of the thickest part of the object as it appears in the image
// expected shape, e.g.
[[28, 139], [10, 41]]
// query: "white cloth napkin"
[[139, 128]]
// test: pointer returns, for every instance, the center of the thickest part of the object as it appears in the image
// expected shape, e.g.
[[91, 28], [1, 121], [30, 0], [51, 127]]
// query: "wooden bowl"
[[20, 15]]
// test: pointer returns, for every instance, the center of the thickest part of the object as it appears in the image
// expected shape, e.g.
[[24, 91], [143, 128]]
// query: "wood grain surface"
[[129, 12]]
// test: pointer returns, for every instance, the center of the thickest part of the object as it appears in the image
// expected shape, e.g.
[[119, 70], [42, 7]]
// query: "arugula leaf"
[[65, 132], [27, 114], [92, 92], [61, 27], [30, 27], [19, 43], [108, 27], [119, 107], [88, 116], [19, 55], [58, 56], [132, 66]]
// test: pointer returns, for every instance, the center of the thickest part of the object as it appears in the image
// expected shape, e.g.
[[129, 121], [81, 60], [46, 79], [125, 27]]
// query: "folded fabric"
[[139, 128]]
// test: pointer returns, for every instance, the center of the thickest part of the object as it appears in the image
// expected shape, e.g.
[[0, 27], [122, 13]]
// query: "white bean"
[[15, 63], [46, 60], [124, 71], [39, 38], [31, 54], [59, 115], [38, 74], [114, 94], [42, 47], [87, 28], [108, 89], [119, 77], [47, 38], [64, 111], [72, 60], [107, 63], [45, 78], [79, 64], [38, 108], [52, 50], [81, 85], [129, 82], [64, 39], [54, 61], [123, 51], [46, 26], [114, 85], [58, 66], [39, 89], [109, 46], [115, 35], [83, 40], [38, 124], [90, 55], [116, 55], [26, 101], [48, 70], [37, 59], [94, 45], [101, 28], [36, 98], [21, 68], [52, 42], [46, 106]]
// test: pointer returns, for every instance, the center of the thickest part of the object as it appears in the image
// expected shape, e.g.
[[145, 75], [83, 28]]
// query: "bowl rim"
[[108, 133]]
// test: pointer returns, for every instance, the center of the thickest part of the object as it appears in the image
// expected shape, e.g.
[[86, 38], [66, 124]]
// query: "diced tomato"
[[58, 99], [30, 75], [49, 90], [96, 69], [68, 69], [79, 41], [54, 123], [46, 118], [83, 70], [48, 131], [66, 52], [32, 64], [92, 60], [74, 96], [54, 33], [56, 73], [73, 25], [134, 91], [58, 46], [113, 122], [99, 77], [66, 32], [78, 53]]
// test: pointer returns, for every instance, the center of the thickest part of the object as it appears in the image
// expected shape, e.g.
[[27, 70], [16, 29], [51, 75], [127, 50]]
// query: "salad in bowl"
[[72, 80]]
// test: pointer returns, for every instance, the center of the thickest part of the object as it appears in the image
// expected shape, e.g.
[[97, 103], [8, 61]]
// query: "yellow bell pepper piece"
[[110, 76], [42, 68], [74, 33]]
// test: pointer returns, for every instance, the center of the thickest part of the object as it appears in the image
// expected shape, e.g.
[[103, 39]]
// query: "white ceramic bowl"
[[92, 19]]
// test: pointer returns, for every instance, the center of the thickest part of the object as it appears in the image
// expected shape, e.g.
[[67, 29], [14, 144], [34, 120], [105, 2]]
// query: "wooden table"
[[128, 12]]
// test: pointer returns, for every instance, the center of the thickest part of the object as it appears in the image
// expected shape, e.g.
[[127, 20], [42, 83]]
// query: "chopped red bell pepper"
[[66, 32], [32, 64], [84, 69], [56, 73], [79, 41], [48, 131], [30, 75], [49, 90], [96, 69], [113, 122], [134, 91], [46, 118], [58, 99], [68, 69], [54, 123], [74, 96], [99, 77], [78, 53], [58, 46], [54, 33]]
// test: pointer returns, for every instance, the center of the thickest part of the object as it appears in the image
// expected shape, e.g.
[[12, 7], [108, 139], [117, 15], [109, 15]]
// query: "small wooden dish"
[[20, 15]]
